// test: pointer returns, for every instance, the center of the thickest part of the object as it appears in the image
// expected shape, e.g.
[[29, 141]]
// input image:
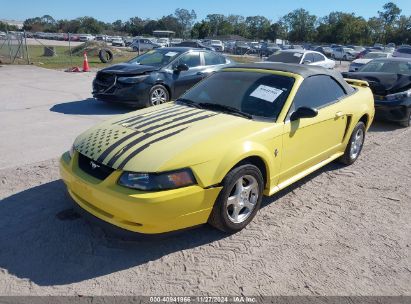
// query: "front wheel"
[[407, 123], [239, 200], [354, 147], [158, 95]]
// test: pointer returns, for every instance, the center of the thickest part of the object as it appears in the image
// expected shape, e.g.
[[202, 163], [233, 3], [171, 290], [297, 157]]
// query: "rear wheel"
[[158, 95], [354, 147], [239, 200]]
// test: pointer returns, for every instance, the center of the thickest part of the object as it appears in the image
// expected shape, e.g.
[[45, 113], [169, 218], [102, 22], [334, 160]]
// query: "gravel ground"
[[340, 231]]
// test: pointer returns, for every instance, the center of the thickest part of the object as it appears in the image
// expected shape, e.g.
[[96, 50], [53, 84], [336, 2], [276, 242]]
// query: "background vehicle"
[[156, 76], [390, 82], [344, 53], [241, 48], [84, 38], [194, 44], [302, 57], [403, 51], [164, 42], [213, 154], [268, 48], [217, 45], [358, 63], [118, 42], [175, 41], [144, 44], [325, 50]]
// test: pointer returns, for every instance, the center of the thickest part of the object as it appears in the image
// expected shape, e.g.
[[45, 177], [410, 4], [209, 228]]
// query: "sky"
[[109, 10]]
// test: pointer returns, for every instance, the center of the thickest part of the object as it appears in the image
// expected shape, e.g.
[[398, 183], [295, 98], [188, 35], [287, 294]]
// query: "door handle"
[[339, 114]]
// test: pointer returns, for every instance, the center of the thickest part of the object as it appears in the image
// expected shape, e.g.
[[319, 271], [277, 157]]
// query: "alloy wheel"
[[242, 199], [158, 96], [356, 144]]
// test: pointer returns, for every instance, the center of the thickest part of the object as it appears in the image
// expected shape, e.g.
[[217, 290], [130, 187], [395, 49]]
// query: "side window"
[[318, 57], [317, 92], [191, 59], [213, 59], [309, 57]]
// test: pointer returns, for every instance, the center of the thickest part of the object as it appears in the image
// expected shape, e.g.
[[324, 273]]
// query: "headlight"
[[157, 181], [134, 79], [72, 151], [398, 96]]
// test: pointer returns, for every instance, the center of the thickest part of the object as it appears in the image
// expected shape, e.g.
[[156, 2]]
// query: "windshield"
[[286, 57], [158, 57], [253, 93], [348, 50], [382, 66], [375, 55]]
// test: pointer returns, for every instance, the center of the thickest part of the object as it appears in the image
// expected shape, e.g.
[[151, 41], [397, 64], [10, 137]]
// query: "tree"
[[390, 14], [185, 19], [258, 27], [300, 25]]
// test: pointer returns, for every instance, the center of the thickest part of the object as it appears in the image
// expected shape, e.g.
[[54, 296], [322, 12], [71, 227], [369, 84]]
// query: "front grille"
[[93, 168], [105, 79]]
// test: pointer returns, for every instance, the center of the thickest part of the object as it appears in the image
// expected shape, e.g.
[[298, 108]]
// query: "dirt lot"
[[340, 231]]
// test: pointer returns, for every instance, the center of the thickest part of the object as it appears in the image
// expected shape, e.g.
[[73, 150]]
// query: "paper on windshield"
[[266, 93], [171, 54]]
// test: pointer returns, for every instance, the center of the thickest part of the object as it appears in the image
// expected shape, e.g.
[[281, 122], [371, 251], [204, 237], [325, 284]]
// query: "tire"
[[355, 145], [105, 55], [158, 95], [244, 204], [406, 123]]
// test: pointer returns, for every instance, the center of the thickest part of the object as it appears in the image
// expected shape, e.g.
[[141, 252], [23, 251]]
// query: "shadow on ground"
[[43, 240], [384, 126], [89, 106]]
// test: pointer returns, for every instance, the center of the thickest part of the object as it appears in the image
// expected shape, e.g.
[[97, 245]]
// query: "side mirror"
[[303, 112], [306, 61], [181, 67]]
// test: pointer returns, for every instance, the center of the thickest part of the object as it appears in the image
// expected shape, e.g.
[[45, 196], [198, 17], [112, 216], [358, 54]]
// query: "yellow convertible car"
[[210, 156]]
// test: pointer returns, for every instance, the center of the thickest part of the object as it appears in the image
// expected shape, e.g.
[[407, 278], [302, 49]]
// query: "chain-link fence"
[[13, 48]]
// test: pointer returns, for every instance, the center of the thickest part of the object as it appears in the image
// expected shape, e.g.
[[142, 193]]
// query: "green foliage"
[[297, 26]]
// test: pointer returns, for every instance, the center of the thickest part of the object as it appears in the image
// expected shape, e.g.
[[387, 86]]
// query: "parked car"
[[390, 82], [358, 63], [344, 53], [217, 45], [325, 50], [118, 42], [268, 48], [302, 57], [144, 44], [212, 155], [403, 51], [194, 44], [156, 76], [84, 38], [164, 42], [175, 41], [241, 48]]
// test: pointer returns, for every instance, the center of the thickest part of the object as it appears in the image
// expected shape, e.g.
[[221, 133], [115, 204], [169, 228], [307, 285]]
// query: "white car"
[[358, 63], [164, 42], [344, 53], [175, 41], [302, 57], [84, 38], [118, 42], [217, 45]]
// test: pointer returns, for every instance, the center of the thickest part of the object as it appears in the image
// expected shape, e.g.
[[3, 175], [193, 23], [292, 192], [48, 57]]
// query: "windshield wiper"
[[188, 102], [225, 109]]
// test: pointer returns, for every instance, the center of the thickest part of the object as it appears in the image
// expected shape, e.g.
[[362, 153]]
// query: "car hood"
[[129, 68], [169, 137], [383, 83]]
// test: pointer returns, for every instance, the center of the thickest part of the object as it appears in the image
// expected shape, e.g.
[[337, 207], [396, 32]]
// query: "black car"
[[390, 82], [194, 44], [156, 76]]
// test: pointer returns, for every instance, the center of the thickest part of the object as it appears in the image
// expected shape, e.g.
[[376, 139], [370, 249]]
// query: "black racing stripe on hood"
[[139, 125], [145, 146], [131, 135], [147, 115], [130, 145], [160, 116]]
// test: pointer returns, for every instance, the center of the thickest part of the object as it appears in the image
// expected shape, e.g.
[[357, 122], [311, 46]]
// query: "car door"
[[308, 59], [308, 141], [319, 60], [184, 80]]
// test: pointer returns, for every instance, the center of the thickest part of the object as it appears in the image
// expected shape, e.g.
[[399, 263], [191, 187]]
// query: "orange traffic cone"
[[86, 67]]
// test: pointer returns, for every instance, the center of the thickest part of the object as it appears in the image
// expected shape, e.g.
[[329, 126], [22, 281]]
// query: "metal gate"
[[13, 48]]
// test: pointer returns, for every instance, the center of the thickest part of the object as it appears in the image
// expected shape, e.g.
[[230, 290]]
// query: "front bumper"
[[129, 94], [133, 210], [396, 111]]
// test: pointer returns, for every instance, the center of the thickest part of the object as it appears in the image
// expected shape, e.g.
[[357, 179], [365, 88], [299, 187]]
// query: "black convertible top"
[[303, 70]]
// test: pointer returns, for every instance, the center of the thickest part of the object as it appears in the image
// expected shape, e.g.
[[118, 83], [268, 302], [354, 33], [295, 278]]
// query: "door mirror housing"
[[303, 112], [181, 67]]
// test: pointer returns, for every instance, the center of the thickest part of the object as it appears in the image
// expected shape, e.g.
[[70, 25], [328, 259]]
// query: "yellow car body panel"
[[210, 144]]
